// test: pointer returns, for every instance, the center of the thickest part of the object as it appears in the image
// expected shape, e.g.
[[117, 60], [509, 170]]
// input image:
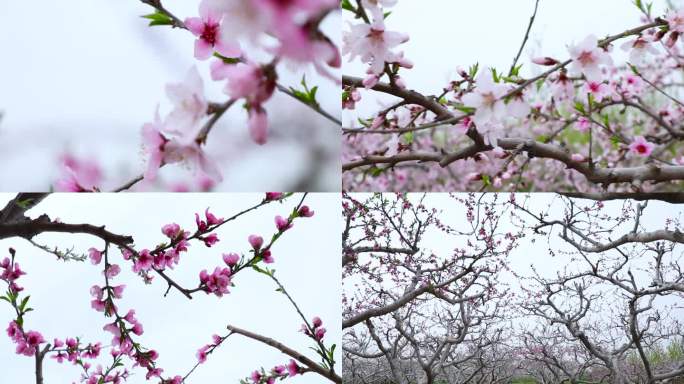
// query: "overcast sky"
[[307, 263], [85, 75], [447, 34]]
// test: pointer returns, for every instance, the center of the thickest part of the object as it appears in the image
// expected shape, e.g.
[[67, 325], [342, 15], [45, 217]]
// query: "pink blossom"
[[371, 81], [486, 99], [202, 354], [350, 98], [207, 28], [305, 211], [598, 90], [143, 262], [256, 376], [546, 61], [317, 322], [274, 196], [588, 57], [292, 368], [256, 241], [137, 329], [638, 48], [267, 257], [641, 147], [175, 139], [98, 305], [78, 175], [577, 157], [171, 230], [211, 219], [583, 124], [231, 259], [189, 103], [117, 291], [95, 256], [258, 125], [210, 240], [217, 282], [282, 224], [373, 44], [675, 20], [249, 81], [112, 270]]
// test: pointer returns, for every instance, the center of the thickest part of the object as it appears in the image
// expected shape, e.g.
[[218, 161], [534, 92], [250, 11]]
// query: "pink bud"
[[547, 61], [95, 256], [256, 241], [231, 259], [305, 211]]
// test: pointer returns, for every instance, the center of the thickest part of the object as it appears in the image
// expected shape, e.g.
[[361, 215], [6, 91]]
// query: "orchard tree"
[[427, 316], [115, 254], [541, 288], [587, 121], [615, 307]]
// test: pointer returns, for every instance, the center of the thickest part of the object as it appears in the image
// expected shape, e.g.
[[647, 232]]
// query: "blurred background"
[[83, 76]]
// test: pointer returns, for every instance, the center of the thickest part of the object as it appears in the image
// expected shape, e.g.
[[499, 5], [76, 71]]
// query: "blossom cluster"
[[316, 331], [279, 372], [222, 29], [597, 112]]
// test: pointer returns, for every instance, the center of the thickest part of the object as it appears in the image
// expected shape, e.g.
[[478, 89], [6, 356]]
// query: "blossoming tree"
[[587, 121], [123, 353], [246, 44], [532, 288]]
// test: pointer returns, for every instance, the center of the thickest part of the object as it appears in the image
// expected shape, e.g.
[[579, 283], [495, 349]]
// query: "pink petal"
[[203, 50], [258, 125], [195, 25], [228, 48]]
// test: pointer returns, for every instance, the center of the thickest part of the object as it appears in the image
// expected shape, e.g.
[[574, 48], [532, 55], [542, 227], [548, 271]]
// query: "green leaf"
[[23, 303], [465, 109], [472, 71], [375, 171], [486, 180], [408, 138], [307, 96], [347, 5], [158, 18], [615, 141], [495, 76], [227, 60], [24, 203]]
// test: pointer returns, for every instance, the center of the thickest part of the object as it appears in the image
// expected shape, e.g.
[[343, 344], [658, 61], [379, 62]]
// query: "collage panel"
[[167, 288], [170, 95], [511, 288], [529, 96]]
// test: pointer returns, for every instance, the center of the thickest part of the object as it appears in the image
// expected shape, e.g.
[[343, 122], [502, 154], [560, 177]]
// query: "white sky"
[[85, 75], [307, 263], [447, 34]]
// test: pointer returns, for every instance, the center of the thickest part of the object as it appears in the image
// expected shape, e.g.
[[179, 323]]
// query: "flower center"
[[641, 148], [488, 99], [586, 58], [210, 33]]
